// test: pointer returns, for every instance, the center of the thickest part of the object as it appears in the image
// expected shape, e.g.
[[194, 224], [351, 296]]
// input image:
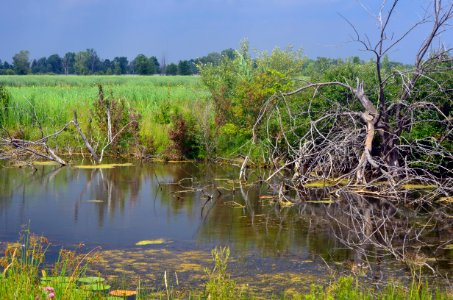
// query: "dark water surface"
[[192, 207]]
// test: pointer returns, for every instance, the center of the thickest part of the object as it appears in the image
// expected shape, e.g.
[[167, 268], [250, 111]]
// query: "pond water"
[[183, 210]]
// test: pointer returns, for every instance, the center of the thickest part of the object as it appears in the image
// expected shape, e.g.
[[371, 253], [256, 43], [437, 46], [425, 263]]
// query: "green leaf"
[[90, 280], [96, 287]]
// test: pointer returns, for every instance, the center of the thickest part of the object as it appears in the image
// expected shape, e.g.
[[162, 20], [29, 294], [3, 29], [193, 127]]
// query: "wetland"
[[154, 224]]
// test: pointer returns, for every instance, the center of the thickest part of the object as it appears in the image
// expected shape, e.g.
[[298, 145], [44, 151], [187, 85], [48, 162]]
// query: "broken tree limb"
[[85, 140]]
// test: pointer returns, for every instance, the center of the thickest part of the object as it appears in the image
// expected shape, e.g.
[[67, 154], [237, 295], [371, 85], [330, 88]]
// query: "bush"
[[219, 285], [5, 99]]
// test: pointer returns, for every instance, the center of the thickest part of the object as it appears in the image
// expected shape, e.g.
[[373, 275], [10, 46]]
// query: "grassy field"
[[51, 99]]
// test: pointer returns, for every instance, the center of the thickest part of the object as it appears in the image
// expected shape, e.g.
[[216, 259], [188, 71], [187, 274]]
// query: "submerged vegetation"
[[26, 275]]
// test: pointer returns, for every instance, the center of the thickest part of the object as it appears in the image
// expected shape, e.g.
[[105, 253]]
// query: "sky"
[[185, 29]]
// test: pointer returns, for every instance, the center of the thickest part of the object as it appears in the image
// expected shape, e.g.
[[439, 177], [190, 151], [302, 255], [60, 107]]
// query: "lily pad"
[[56, 281], [91, 280], [96, 287], [151, 242], [123, 293]]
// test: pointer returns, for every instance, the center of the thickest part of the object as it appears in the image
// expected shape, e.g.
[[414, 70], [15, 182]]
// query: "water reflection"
[[196, 206], [191, 204]]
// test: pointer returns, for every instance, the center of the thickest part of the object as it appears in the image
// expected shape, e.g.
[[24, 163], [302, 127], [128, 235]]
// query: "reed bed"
[[49, 101]]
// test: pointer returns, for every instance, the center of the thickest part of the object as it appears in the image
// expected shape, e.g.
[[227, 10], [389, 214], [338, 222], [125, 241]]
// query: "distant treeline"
[[88, 62]]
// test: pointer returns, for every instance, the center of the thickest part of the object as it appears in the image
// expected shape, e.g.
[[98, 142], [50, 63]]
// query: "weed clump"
[[183, 142], [5, 99], [220, 285]]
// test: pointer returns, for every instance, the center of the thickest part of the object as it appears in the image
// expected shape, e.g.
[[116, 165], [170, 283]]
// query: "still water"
[[191, 208]]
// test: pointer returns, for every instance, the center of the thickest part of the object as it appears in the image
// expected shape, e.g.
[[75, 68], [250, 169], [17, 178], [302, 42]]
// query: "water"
[[191, 207]]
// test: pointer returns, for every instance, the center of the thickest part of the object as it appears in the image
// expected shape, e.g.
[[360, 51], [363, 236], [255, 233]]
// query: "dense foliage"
[[88, 62]]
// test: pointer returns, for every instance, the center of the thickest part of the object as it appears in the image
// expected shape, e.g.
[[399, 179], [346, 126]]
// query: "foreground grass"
[[23, 276]]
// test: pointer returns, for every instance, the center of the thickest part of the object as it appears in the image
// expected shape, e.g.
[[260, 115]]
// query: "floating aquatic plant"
[[45, 163], [151, 242], [103, 166], [96, 287], [90, 280]]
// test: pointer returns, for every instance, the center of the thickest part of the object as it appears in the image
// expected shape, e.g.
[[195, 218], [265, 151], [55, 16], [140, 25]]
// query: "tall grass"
[[23, 275], [49, 101]]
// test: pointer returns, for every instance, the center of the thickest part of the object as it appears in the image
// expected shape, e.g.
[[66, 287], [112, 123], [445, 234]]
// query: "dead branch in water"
[[363, 138]]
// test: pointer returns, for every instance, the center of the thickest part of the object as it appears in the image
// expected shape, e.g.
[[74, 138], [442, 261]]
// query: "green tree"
[[94, 63], [39, 66], [240, 86], [229, 53], [107, 67], [82, 63], [184, 67], [171, 69], [68, 63], [120, 65], [21, 62], [143, 65], [54, 64], [155, 64]]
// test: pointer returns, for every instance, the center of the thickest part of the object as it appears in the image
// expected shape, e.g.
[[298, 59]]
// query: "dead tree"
[[369, 145]]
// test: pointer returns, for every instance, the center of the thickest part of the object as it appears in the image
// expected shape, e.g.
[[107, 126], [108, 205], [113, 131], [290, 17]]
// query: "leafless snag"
[[369, 146], [361, 146], [15, 148]]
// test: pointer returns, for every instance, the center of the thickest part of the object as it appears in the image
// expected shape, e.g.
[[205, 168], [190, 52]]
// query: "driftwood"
[[17, 149], [14, 148], [85, 140], [367, 146]]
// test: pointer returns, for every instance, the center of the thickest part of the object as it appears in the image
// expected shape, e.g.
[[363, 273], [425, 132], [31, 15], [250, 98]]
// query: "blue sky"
[[184, 29]]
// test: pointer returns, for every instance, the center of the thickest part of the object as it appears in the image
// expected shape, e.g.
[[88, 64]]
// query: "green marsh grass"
[[49, 101], [22, 277]]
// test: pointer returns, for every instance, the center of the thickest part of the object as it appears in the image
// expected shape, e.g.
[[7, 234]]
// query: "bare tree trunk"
[[368, 146], [109, 126], [85, 140]]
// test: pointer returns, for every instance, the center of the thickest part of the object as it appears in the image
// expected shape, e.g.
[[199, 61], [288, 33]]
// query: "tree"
[[369, 126], [184, 67], [239, 87], [171, 69], [7, 69], [163, 66], [68, 63], [21, 62], [120, 65], [143, 65], [82, 63], [229, 53], [94, 62], [107, 67], [39, 66], [155, 66], [55, 64]]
